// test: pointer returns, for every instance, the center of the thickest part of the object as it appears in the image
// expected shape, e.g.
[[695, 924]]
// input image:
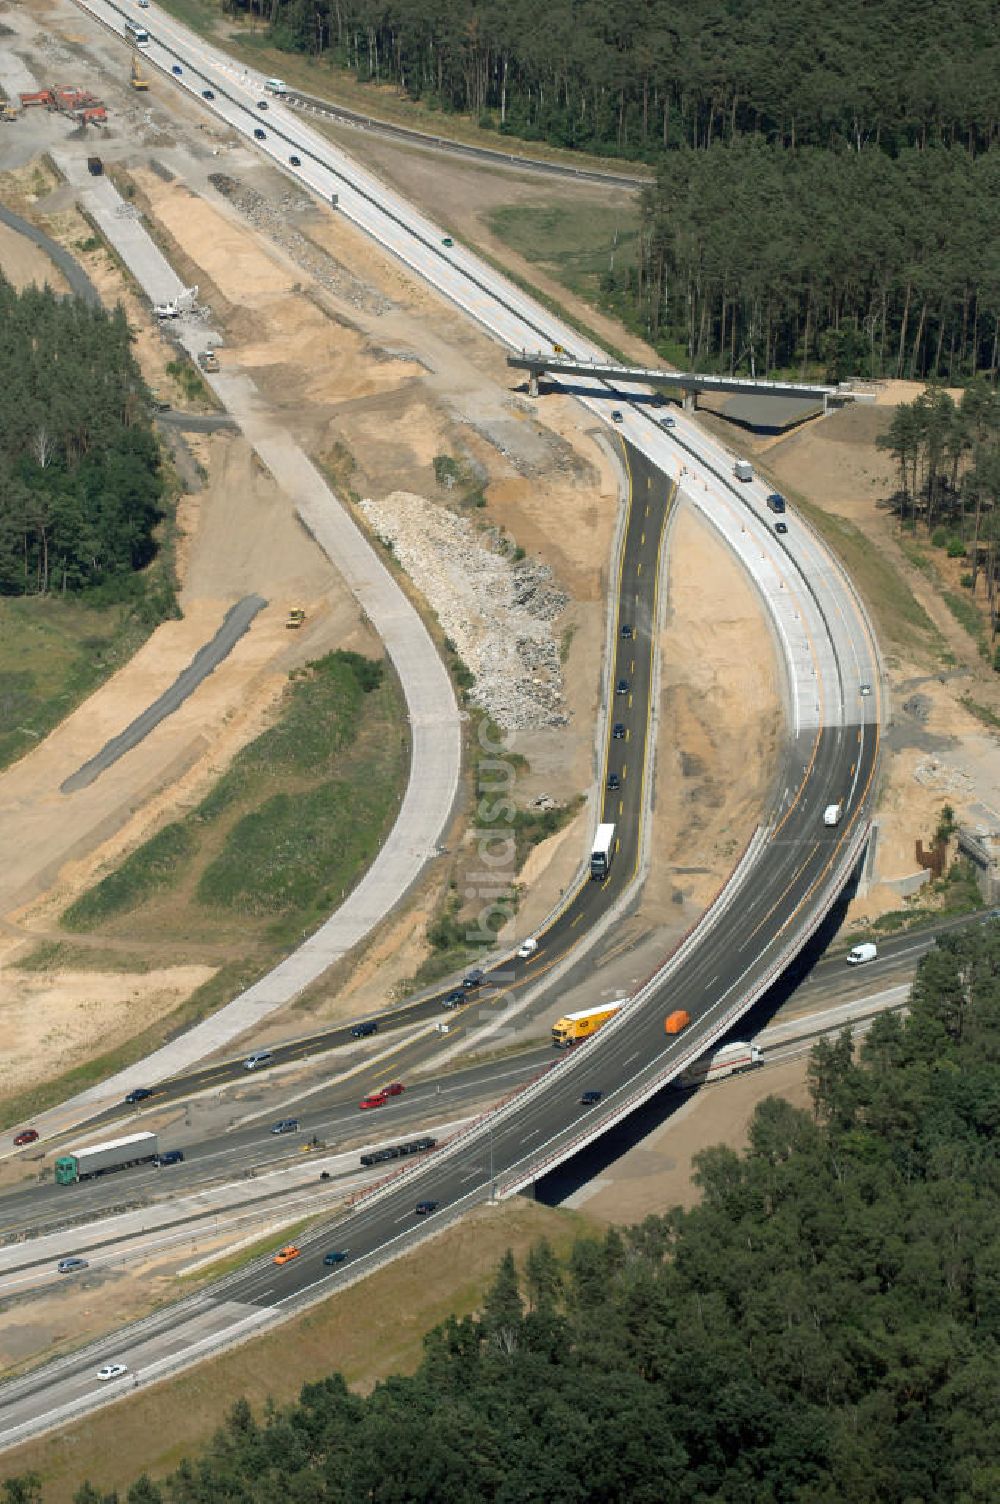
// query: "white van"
[[257, 1059], [275, 86], [862, 953], [832, 814]]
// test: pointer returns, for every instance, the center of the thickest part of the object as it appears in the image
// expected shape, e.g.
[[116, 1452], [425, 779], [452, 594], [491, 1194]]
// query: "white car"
[[527, 949], [112, 1371]]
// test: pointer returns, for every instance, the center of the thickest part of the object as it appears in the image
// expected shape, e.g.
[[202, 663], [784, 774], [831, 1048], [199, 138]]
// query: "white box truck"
[[743, 470], [275, 86], [730, 1060], [101, 1159], [862, 954], [832, 814], [603, 852]]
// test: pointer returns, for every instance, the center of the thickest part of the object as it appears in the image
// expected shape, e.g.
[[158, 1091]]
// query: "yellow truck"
[[575, 1027], [138, 79]]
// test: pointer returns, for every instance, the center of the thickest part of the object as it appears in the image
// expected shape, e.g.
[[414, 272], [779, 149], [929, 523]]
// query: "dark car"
[[669, 422], [335, 1256], [622, 687], [295, 161], [618, 731], [454, 998], [139, 1094], [262, 104], [627, 632], [776, 501], [616, 416], [171, 1157], [362, 1031], [286, 1125], [474, 978], [26, 1136], [177, 69], [424, 1208], [614, 782], [207, 94], [260, 135], [590, 1098], [781, 527], [394, 1089]]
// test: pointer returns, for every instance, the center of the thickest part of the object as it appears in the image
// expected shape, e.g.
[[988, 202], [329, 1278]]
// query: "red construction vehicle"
[[42, 96]]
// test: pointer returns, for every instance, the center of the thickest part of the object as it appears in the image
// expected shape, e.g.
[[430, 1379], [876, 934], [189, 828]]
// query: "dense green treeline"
[[757, 259], [80, 484], [823, 1327], [634, 77]]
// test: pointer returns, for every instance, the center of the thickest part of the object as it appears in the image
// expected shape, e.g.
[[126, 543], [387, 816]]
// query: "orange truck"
[[575, 1027], [677, 1021]]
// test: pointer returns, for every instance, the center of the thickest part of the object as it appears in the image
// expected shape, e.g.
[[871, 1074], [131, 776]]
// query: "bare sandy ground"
[[24, 264]]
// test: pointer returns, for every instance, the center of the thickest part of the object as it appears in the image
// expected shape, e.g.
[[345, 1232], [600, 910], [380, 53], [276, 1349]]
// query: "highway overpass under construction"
[[537, 364]]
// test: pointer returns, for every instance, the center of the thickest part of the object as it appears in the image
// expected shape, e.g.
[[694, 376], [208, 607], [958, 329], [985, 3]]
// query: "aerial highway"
[[793, 870]]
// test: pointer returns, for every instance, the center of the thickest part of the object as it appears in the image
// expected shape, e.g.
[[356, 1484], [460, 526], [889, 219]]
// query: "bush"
[[939, 537], [956, 548]]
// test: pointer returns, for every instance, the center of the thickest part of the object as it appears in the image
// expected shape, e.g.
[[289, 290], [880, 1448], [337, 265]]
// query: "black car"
[[781, 527], [614, 782], [139, 1094], [262, 104], [475, 978], [335, 1256], [424, 1208], [295, 161], [590, 1098], [622, 687], [776, 501], [362, 1031], [616, 416], [207, 94], [627, 632], [171, 1157], [618, 731], [177, 69], [454, 999], [286, 1125], [260, 135]]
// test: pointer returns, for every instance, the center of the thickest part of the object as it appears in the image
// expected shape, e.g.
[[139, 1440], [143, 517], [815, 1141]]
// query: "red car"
[[395, 1089], [377, 1099], [30, 1135]]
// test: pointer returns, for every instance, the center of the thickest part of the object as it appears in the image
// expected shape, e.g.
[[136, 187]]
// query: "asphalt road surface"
[[208, 657], [79, 283]]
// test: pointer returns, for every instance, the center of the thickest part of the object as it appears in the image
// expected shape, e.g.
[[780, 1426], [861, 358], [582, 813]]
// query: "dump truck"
[[137, 78], [8, 112], [730, 1060], [295, 619], [575, 1027], [103, 1159]]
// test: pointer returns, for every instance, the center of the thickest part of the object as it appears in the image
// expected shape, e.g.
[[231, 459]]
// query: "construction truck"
[[174, 307], [137, 78], [208, 360], [8, 112], [295, 618]]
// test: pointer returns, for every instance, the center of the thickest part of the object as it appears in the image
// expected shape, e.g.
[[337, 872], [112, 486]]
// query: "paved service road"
[[235, 623]]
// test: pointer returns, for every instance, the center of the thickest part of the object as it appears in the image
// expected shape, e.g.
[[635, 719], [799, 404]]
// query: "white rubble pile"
[[498, 613]]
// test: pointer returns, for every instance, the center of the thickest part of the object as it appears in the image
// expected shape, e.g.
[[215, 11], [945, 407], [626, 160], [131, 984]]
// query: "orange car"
[[287, 1253]]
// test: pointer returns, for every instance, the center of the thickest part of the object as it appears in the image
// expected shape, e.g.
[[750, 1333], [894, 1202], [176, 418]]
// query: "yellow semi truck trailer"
[[575, 1027]]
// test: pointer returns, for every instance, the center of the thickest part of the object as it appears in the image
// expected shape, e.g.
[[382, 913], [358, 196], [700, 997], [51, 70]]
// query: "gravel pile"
[[272, 217], [498, 613]]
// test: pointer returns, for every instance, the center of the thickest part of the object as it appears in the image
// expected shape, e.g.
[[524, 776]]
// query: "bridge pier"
[[533, 383], [690, 401]]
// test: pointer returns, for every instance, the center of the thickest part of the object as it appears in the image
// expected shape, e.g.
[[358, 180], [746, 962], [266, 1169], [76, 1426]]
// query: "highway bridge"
[[539, 363], [791, 873]]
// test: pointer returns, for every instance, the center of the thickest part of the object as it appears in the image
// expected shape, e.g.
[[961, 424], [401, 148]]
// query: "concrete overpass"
[[538, 363]]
